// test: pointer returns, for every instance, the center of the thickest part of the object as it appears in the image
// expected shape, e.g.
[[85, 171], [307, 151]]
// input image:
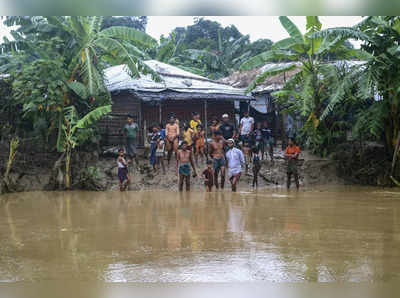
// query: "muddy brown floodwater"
[[335, 234]]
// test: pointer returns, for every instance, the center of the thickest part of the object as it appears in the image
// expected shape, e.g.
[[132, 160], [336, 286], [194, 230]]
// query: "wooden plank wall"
[[123, 104], [148, 114]]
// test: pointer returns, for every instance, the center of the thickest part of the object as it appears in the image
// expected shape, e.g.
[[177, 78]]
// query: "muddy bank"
[[93, 172]]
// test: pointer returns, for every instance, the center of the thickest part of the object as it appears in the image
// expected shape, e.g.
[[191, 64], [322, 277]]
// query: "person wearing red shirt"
[[292, 153]]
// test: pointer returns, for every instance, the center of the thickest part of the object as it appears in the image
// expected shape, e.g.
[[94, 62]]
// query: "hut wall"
[[183, 110], [111, 127]]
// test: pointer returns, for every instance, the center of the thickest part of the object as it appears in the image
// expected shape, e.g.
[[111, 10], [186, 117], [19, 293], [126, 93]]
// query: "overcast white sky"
[[256, 26]]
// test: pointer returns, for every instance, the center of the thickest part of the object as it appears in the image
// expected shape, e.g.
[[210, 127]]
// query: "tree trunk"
[[68, 169]]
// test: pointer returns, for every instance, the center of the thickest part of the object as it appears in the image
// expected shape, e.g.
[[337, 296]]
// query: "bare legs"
[[182, 179]]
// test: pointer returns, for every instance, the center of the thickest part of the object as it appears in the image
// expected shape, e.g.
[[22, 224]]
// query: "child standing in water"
[[247, 155], [122, 170], [160, 153], [256, 166], [208, 175], [200, 144]]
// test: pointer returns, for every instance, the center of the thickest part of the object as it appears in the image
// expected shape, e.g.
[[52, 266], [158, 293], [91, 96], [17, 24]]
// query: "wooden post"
[[206, 128], [160, 112]]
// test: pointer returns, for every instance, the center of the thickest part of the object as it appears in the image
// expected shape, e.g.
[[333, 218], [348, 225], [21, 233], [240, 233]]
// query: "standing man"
[[246, 127], [235, 160], [172, 137], [130, 133], [268, 141], [292, 153], [217, 155], [227, 129], [184, 157]]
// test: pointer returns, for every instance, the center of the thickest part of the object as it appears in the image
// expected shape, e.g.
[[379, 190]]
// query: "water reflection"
[[335, 235]]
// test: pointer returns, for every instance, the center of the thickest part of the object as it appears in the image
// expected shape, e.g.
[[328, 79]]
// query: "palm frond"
[[129, 34], [341, 33], [92, 117], [292, 29], [261, 59], [271, 72], [79, 89]]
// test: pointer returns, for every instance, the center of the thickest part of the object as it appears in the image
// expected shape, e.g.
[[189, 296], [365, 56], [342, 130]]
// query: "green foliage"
[[210, 50], [134, 22], [58, 62]]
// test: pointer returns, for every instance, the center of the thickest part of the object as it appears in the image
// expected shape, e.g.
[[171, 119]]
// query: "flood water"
[[341, 234]]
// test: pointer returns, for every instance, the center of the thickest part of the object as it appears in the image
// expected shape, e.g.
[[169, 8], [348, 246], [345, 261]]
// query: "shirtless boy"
[[183, 158], [217, 154], [172, 134]]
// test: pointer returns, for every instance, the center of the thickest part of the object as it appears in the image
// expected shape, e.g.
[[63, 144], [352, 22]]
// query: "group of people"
[[228, 148]]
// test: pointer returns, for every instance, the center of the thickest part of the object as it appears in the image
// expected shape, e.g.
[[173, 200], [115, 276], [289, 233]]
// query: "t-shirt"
[[188, 136], [208, 174], [194, 124], [227, 130], [292, 150], [246, 123], [266, 132], [154, 137], [131, 130], [258, 134]]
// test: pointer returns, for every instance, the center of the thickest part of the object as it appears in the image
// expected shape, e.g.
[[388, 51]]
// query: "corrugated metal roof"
[[273, 83], [173, 77]]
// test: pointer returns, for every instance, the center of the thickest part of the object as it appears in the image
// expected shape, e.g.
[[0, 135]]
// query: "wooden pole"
[[160, 112], [206, 128]]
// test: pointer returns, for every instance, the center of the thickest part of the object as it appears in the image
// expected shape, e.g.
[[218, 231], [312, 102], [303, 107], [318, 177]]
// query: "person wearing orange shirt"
[[292, 153]]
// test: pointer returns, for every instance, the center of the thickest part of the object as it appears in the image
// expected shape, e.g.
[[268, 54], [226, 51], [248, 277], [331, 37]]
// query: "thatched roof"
[[175, 80], [244, 78]]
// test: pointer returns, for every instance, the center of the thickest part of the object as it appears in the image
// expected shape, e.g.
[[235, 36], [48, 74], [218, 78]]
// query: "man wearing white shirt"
[[235, 160], [246, 127]]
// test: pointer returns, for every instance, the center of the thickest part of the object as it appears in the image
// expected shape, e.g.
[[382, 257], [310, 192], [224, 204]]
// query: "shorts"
[[160, 154], [218, 163], [292, 167], [122, 174], [184, 169]]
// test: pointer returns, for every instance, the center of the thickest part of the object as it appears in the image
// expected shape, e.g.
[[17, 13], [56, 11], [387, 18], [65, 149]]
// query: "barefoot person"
[[217, 155], [199, 144], [184, 158], [256, 165], [130, 131], [208, 176], [172, 134], [122, 170], [292, 153], [235, 159]]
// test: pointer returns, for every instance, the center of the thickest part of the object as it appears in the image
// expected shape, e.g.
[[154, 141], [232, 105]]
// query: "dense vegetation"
[[333, 99], [52, 87]]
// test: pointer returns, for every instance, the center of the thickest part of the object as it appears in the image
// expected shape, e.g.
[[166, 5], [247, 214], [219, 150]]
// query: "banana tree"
[[76, 132], [223, 62], [308, 91], [84, 51], [379, 77]]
